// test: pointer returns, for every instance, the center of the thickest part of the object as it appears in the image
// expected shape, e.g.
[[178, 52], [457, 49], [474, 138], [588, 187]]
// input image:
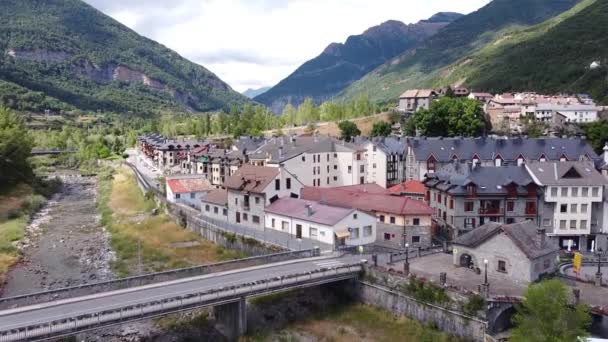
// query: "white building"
[[577, 113], [385, 161], [312, 220], [187, 189]]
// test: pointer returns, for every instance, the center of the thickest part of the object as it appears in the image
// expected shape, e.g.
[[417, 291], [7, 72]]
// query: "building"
[[385, 159], [518, 252], [215, 204], [573, 210], [411, 188], [167, 154], [400, 219], [328, 224], [415, 99], [427, 155], [574, 113], [252, 188], [214, 163], [187, 189], [314, 161], [466, 196], [481, 97]]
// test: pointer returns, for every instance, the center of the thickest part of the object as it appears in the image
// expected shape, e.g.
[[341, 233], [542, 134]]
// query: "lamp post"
[[598, 275], [406, 265], [486, 285], [139, 264]]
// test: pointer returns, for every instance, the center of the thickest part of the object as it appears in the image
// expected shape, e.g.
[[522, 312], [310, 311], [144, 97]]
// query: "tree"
[[449, 117], [381, 129], [546, 316], [449, 92], [597, 134], [15, 148], [348, 130]]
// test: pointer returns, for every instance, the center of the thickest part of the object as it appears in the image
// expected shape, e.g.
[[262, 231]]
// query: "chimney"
[[280, 152], [605, 154], [539, 240], [309, 210]]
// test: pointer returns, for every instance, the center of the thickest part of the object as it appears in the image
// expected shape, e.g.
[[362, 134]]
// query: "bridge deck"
[[69, 309]]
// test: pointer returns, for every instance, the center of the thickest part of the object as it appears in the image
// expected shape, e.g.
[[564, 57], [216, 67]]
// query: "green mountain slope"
[[422, 66], [551, 57], [64, 54]]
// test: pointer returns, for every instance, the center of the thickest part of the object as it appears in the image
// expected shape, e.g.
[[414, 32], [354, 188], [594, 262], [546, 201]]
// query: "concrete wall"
[[450, 321]]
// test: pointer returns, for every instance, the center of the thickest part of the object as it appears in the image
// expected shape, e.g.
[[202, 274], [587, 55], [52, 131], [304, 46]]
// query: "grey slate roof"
[[455, 177], [297, 208], [284, 148], [444, 149], [523, 235], [388, 145], [248, 144], [566, 173]]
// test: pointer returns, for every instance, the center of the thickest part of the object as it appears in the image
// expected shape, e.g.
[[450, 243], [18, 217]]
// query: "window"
[[367, 231], [387, 236], [546, 263], [392, 219], [272, 223], [564, 192], [358, 156], [335, 155], [583, 224], [327, 168], [563, 208], [303, 158], [562, 224], [225, 212], [572, 224], [584, 208], [374, 165], [416, 221], [469, 222], [277, 184], [554, 191], [350, 169], [335, 167], [362, 180], [255, 219], [355, 216], [374, 148], [471, 190], [574, 192], [585, 191], [468, 206], [177, 196], [510, 205], [451, 203], [362, 168], [595, 191], [288, 183], [257, 200], [354, 233], [546, 222], [573, 208], [207, 208], [335, 178], [284, 225], [510, 220], [314, 232], [502, 266], [327, 155], [216, 210], [381, 219], [192, 195], [245, 217], [439, 198], [314, 158]]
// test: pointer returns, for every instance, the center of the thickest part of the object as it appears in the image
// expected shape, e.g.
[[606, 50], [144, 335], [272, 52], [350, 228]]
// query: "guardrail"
[[151, 278], [94, 319]]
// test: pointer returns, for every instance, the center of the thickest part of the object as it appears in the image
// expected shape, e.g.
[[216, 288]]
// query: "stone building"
[[518, 250], [414, 100]]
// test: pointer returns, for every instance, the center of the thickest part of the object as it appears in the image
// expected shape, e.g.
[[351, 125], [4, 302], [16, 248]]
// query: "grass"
[[358, 322], [127, 215]]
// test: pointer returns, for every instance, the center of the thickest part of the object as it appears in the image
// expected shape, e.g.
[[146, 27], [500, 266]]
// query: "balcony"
[[531, 211], [491, 211]]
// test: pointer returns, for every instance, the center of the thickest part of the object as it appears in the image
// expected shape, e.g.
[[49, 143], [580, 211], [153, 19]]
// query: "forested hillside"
[[64, 54]]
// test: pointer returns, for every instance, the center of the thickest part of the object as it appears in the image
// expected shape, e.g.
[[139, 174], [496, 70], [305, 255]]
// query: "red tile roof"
[[188, 185], [370, 202], [410, 187], [252, 178]]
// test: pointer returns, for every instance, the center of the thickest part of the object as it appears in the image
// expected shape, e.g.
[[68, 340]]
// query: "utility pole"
[[139, 264]]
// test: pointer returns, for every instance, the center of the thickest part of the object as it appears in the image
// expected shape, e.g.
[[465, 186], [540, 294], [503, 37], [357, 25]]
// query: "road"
[[64, 309]]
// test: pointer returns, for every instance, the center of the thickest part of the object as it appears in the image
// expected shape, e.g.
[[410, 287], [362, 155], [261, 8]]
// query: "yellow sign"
[[578, 261]]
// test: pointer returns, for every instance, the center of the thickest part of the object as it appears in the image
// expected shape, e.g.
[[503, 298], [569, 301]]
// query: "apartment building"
[[573, 203], [385, 160], [332, 225], [167, 154], [215, 164], [427, 155], [466, 196], [252, 188], [314, 161]]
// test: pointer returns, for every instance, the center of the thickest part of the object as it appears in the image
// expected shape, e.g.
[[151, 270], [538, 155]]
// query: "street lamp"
[[598, 275], [139, 264], [406, 265], [485, 265]]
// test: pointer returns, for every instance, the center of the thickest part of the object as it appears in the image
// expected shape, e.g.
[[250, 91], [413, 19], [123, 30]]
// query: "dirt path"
[[65, 245]]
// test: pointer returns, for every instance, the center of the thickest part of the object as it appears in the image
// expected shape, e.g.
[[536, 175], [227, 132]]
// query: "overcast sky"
[[255, 43]]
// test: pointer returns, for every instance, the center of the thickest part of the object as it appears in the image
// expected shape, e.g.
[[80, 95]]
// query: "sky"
[[256, 43]]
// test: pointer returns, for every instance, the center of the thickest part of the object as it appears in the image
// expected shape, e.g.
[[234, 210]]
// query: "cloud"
[[251, 43]]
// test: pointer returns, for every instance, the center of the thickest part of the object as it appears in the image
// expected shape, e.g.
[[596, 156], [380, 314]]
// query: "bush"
[[426, 292], [474, 304], [32, 204]]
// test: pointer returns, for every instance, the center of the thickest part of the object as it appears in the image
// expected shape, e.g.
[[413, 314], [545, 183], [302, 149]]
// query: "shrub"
[[474, 304]]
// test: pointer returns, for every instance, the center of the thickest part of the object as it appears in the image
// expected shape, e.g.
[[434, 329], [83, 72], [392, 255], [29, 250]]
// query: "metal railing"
[[145, 309]]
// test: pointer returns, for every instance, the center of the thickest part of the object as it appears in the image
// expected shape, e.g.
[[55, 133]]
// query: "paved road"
[[42, 313]]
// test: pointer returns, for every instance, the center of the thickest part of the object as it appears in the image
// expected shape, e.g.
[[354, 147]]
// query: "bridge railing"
[[151, 278], [66, 324]]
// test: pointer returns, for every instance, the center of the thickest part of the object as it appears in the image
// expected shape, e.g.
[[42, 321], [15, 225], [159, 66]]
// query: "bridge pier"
[[231, 319]]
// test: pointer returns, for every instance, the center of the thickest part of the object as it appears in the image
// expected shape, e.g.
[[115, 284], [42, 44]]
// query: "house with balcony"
[[385, 160], [252, 188], [573, 203], [414, 100], [332, 225], [465, 196]]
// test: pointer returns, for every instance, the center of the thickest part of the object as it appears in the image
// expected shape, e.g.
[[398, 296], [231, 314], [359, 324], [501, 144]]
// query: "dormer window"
[[476, 160], [542, 158], [431, 164], [520, 160], [563, 158], [471, 189], [498, 161]]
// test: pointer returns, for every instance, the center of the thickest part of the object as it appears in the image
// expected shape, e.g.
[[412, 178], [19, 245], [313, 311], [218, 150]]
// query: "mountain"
[[66, 55], [341, 64], [422, 66], [552, 57], [251, 93]]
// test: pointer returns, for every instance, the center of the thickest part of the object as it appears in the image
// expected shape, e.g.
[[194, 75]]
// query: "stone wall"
[[452, 322]]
